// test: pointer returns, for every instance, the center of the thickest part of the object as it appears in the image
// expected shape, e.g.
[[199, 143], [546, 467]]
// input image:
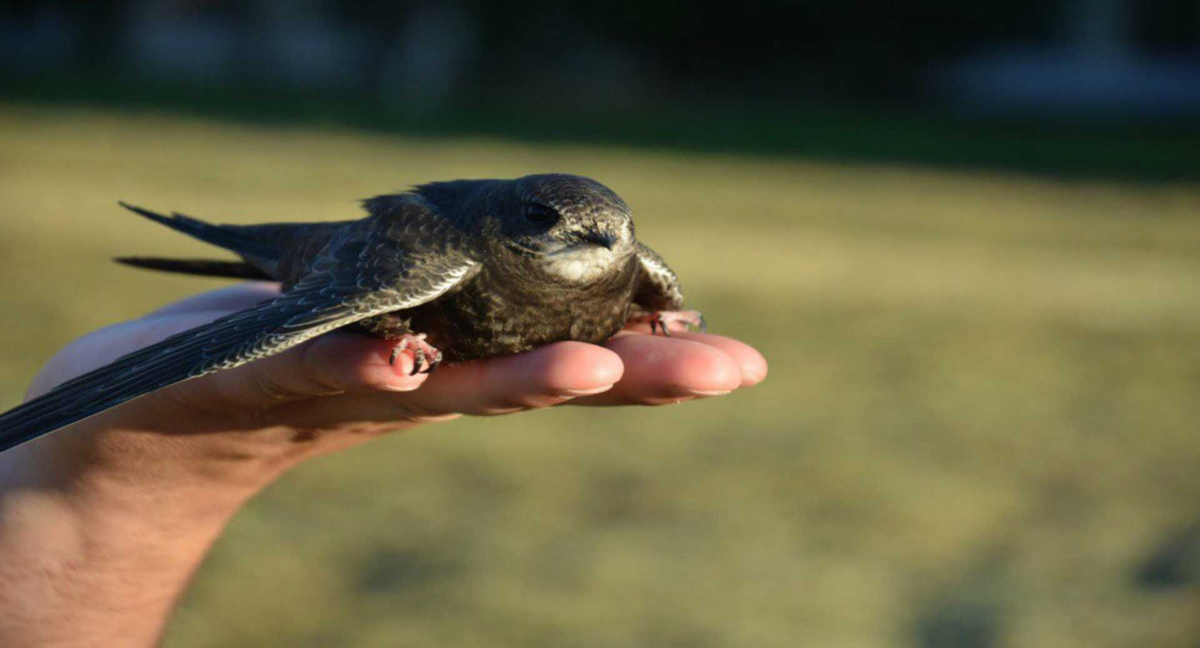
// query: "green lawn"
[[982, 422]]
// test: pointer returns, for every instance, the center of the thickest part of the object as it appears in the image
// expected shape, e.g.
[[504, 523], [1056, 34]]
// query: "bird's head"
[[576, 227], [572, 227]]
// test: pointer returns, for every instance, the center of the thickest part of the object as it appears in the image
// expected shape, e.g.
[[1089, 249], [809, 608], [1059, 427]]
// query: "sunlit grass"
[[982, 410]]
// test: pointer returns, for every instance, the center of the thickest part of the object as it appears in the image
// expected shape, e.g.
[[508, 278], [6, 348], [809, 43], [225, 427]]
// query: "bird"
[[447, 271]]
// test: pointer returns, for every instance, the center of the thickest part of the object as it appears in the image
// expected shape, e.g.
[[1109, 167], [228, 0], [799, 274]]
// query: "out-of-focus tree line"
[[612, 52], [768, 76]]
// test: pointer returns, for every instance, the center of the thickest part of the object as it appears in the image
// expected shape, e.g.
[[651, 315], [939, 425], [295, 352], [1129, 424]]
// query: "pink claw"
[[663, 319], [426, 357]]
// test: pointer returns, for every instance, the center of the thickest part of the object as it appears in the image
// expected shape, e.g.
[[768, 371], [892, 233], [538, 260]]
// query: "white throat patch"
[[580, 262]]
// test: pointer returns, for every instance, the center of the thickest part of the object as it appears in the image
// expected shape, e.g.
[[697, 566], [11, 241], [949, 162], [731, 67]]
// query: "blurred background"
[[965, 235]]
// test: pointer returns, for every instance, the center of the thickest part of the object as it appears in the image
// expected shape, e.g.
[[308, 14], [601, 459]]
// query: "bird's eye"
[[540, 214]]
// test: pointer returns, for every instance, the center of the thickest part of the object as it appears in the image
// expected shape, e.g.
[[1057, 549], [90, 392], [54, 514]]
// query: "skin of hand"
[[103, 523]]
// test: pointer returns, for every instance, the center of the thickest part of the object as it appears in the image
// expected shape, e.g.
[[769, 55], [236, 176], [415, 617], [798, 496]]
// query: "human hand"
[[340, 389], [103, 522]]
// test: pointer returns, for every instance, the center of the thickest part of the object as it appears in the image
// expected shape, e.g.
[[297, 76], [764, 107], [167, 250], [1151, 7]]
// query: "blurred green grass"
[[981, 423]]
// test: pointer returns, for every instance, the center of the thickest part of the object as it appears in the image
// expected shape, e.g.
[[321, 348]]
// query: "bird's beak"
[[603, 239]]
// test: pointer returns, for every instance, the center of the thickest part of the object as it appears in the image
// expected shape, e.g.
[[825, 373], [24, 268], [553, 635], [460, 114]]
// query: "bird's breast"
[[507, 310]]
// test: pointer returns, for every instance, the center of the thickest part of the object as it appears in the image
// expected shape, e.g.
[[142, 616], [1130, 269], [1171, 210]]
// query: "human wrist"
[[91, 547]]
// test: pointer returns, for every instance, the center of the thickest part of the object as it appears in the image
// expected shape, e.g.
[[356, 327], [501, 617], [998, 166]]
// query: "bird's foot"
[[661, 320], [426, 357]]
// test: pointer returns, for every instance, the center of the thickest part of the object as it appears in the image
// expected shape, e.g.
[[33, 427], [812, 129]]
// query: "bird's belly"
[[474, 324]]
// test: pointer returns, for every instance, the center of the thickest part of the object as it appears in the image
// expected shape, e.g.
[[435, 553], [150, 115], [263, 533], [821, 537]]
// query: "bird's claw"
[[426, 357], [661, 321]]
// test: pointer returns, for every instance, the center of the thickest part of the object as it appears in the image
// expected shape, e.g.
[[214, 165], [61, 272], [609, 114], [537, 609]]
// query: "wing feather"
[[331, 297], [659, 288]]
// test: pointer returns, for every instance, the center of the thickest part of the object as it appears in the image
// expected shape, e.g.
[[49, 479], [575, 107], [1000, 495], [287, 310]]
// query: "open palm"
[[340, 388]]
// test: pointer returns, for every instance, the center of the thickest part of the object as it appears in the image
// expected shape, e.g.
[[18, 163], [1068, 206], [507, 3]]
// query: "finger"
[[660, 370], [532, 379], [335, 363], [752, 364], [539, 378], [231, 298], [749, 360]]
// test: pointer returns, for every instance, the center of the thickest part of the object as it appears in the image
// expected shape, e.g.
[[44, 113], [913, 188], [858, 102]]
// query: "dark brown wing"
[[658, 288], [358, 276]]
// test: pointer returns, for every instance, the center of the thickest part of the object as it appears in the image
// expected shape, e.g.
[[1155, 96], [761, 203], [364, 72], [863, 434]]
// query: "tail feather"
[[231, 237], [203, 267]]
